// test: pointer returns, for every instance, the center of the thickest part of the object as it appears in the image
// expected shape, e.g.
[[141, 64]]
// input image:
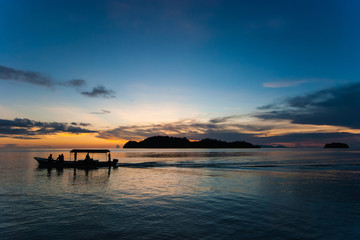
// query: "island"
[[176, 142], [336, 145]]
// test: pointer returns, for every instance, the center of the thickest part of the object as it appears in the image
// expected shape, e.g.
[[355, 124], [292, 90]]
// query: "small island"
[[336, 145], [175, 142]]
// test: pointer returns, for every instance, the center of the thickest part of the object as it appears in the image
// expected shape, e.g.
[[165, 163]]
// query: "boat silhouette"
[[88, 162]]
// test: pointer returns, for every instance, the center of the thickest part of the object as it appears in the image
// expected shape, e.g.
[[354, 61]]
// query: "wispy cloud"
[[282, 84], [81, 124], [35, 78], [223, 119], [24, 128], [191, 128], [75, 83], [101, 112], [99, 91]]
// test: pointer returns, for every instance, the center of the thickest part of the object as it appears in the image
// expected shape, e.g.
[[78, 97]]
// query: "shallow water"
[[184, 194]]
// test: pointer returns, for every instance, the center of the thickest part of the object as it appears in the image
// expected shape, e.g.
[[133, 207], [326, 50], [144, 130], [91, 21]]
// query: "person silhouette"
[[50, 158], [87, 158], [109, 157]]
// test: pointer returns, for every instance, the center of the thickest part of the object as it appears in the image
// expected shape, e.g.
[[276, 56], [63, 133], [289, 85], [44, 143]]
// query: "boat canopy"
[[90, 151]]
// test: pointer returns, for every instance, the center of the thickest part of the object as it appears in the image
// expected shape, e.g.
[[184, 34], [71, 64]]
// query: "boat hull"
[[44, 162]]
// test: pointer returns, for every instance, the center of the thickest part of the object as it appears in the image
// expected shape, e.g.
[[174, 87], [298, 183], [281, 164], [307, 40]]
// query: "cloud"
[[85, 124], [229, 131], [35, 78], [24, 128], [282, 84], [10, 74], [222, 119], [99, 91], [75, 83], [337, 106], [26, 138], [81, 124], [191, 128], [102, 112], [146, 130]]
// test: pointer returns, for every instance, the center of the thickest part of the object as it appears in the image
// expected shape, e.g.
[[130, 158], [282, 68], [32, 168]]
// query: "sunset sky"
[[99, 73]]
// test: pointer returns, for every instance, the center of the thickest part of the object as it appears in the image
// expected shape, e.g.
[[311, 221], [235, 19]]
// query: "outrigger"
[[88, 162]]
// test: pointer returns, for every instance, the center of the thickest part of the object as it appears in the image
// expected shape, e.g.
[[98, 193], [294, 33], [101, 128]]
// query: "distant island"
[[336, 145], [175, 142]]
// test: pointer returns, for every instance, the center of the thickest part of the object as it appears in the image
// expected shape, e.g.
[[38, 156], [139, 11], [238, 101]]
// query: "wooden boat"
[[74, 162]]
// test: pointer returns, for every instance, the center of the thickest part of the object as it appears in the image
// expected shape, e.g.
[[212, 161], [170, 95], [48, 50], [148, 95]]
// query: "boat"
[[87, 162]]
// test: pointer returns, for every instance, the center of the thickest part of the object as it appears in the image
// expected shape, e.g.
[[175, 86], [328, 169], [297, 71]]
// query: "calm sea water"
[[184, 194]]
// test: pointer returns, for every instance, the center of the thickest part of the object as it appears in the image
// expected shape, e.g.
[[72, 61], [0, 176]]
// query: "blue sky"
[[161, 62]]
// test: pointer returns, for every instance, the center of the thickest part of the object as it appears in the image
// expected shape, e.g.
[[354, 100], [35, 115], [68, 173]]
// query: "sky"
[[100, 73]]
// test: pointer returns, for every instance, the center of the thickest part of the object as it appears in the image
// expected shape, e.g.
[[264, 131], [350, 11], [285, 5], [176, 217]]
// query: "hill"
[[175, 142], [336, 145]]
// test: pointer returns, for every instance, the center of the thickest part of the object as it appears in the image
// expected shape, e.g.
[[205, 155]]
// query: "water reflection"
[[75, 175], [182, 195]]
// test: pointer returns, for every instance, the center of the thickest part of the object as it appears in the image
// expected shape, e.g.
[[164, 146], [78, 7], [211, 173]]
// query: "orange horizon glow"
[[63, 140]]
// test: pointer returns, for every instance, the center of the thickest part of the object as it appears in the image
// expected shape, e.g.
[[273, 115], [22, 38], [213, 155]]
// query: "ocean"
[[184, 194]]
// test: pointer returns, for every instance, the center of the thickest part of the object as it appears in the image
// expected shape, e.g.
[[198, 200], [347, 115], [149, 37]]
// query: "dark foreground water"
[[184, 194]]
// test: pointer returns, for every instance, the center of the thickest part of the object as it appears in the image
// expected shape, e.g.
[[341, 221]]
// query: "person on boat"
[[87, 158], [109, 158], [58, 158], [61, 158], [50, 158]]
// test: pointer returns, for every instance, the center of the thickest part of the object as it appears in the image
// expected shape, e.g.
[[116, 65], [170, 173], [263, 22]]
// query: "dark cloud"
[[85, 124], [337, 106], [10, 74], [81, 124], [26, 138], [78, 130], [222, 119], [102, 112], [35, 78], [99, 91], [23, 128]]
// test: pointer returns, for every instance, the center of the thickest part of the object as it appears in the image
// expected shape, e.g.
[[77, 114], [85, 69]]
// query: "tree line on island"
[[336, 145], [176, 142]]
